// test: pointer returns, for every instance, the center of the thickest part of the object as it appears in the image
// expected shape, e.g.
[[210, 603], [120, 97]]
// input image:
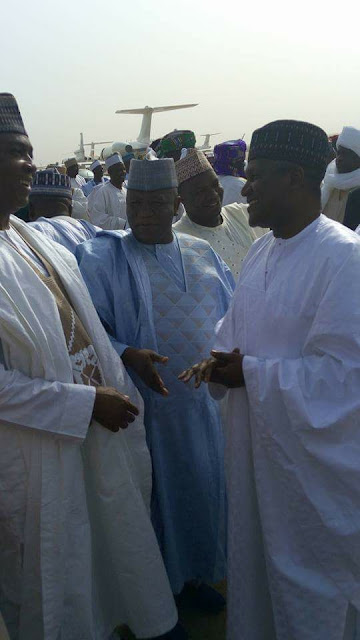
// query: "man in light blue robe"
[[50, 208], [160, 292], [98, 171]]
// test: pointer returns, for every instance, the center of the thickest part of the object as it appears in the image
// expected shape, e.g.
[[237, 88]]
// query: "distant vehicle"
[[143, 140]]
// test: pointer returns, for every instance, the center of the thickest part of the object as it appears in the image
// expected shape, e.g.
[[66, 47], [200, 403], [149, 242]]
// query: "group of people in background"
[[179, 376]]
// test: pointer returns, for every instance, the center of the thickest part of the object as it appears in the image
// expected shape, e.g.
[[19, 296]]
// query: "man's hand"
[[112, 409], [142, 362], [223, 368]]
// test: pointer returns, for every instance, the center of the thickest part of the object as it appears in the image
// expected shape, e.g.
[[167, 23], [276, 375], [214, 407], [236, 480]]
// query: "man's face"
[[48, 207], [73, 170], [98, 173], [346, 160], [202, 197], [117, 174], [16, 171], [150, 214], [267, 193]]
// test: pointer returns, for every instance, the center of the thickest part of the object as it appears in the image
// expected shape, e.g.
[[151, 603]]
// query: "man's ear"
[[297, 177]]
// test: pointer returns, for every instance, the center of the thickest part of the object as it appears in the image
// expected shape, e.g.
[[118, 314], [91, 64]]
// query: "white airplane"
[[206, 144], [143, 140], [80, 152]]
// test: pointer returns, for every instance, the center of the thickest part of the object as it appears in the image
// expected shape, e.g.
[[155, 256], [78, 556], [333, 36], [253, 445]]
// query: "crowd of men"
[[179, 387]]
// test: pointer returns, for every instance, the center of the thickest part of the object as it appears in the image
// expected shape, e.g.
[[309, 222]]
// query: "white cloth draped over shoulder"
[[108, 207], [77, 550], [232, 186], [293, 438], [341, 182]]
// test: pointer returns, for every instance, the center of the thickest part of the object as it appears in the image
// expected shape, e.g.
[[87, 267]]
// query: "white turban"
[[350, 139], [95, 164], [114, 159]]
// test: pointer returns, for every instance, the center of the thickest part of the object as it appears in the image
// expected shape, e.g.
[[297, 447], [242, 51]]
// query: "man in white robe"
[[108, 209], [50, 210], [79, 200], [342, 175], [77, 550], [290, 355], [226, 229]]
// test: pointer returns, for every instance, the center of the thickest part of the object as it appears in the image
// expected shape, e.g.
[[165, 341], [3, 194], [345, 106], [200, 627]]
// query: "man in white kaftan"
[[226, 229], [342, 175], [77, 550], [108, 208], [293, 441]]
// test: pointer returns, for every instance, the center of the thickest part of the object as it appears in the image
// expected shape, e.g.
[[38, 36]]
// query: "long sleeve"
[[79, 204], [108, 213], [60, 409]]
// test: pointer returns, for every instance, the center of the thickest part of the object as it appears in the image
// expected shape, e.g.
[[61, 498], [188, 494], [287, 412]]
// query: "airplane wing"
[[156, 109]]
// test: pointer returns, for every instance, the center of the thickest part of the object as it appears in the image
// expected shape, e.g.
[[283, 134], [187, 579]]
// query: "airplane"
[[206, 144], [143, 140], [80, 153]]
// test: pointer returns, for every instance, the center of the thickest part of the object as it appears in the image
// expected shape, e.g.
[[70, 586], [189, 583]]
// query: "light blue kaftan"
[[169, 298], [69, 233]]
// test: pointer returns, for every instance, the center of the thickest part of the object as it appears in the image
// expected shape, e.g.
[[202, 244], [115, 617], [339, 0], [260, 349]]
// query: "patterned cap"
[[70, 162], [151, 175], [10, 116], [226, 156], [175, 141], [294, 141], [51, 183], [195, 162]]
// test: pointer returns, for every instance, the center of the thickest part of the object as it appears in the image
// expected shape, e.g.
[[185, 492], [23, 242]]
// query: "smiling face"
[[117, 173], [202, 198], [16, 171], [346, 160], [150, 214], [268, 193]]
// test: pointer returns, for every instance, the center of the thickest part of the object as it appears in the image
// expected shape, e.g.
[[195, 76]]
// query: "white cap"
[[95, 164], [114, 159], [350, 139]]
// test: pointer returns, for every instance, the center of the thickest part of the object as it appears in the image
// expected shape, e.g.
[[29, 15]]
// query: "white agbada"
[[108, 208], [293, 438], [231, 240], [77, 550], [78, 182], [232, 186]]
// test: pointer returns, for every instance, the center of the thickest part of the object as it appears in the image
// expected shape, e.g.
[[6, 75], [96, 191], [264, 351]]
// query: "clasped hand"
[[223, 368]]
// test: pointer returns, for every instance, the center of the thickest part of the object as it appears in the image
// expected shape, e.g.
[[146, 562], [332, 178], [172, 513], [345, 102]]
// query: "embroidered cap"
[[51, 183], [294, 141], [10, 116], [115, 158], [192, 164], [70, 162]]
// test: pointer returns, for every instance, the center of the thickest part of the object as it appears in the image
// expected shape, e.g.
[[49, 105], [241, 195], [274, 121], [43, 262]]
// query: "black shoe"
[[204, 597]]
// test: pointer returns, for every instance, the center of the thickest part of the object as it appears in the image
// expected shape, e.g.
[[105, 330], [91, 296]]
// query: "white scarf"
[[335, 180]]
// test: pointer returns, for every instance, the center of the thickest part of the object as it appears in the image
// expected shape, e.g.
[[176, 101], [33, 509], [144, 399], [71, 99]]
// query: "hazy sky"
[[71, 64]]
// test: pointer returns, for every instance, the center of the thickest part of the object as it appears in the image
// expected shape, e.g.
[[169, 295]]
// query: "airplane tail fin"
[[144, 135]]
